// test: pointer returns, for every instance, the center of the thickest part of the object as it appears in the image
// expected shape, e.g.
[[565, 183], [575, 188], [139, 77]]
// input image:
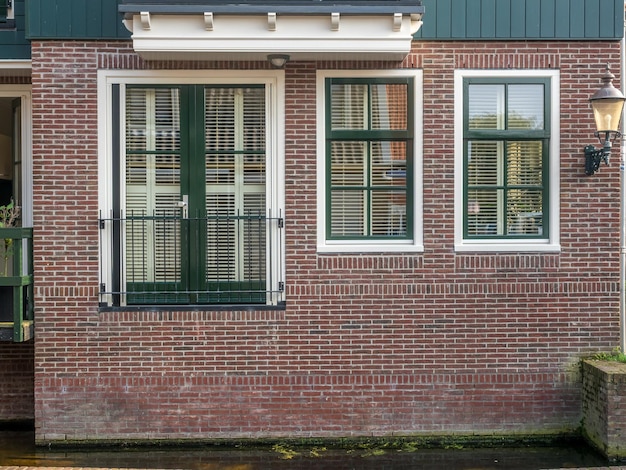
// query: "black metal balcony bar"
[[16, 284], [164, 258]]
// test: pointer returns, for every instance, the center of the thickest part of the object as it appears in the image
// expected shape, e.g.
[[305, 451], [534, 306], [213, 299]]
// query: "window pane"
[[526, 107], [349, 164], [524, 216], [152, 185], [524, 165], [505, 174], [348, 211], [152, 119], [388, 164], [167, 119], [389, 106], [349, 107], [220, 118], [220, 169], [486, 107], [484, 165], [482, 212], [388, 213], [235, 185], [220, 237], [253, 118], [367, 187]]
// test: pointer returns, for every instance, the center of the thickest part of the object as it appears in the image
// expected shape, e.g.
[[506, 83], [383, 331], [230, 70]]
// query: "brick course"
[[369, 344]]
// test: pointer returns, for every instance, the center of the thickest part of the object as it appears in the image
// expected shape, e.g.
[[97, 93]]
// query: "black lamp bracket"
[[595, 156]]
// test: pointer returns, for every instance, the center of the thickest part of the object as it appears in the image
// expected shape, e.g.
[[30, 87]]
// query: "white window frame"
[[368, 246], [23, 92], [552, 244], [274, 81]]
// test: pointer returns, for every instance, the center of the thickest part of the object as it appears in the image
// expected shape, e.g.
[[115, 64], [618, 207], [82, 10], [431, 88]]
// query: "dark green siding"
[[522, 19], [444, 19], [75, 19], [13, 43]]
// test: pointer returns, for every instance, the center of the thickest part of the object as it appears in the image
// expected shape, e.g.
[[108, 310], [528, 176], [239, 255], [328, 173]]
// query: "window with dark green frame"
[[369, 158], [506, 137]]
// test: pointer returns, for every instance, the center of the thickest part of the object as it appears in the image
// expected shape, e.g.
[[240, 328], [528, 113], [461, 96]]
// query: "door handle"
[[184, 205]]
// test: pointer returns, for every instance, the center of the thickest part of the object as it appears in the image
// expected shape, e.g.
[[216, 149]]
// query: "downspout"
[[622, 279]]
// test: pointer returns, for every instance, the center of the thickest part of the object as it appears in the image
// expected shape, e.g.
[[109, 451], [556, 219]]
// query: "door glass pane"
[[17, 153], [153, 187], [235, 139]]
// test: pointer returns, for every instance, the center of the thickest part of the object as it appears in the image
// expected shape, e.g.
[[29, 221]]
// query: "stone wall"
[[604, 407]]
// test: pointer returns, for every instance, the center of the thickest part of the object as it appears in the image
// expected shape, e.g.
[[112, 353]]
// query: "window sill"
[[192, 308], [492, 246], [355, 247]]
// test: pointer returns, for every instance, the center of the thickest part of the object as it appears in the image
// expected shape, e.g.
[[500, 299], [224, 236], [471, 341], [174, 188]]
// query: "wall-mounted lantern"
[[278, 61], [607, 104]]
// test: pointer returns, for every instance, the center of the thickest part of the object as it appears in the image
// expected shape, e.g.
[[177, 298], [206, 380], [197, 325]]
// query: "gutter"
[[622, 278]]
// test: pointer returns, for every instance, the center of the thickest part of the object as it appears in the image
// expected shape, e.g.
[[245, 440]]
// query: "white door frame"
[[23, 92]]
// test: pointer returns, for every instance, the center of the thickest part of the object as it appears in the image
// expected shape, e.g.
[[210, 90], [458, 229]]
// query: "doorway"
[[14, 154]]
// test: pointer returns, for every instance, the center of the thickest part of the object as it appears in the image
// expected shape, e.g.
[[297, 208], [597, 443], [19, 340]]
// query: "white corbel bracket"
[[397, 22], [334, 21], [416, 23], [271, 21], [145, 20], [208, 21]]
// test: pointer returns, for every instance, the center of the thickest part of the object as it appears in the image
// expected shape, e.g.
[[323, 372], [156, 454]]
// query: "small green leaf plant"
[[616, 356], [8, 216]]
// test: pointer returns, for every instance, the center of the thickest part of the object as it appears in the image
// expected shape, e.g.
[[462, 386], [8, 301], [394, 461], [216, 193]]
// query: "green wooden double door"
[[195, 222]]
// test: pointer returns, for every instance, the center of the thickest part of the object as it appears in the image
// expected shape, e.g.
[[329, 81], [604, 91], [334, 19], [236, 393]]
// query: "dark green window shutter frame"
[[371, 136], [506, 136]]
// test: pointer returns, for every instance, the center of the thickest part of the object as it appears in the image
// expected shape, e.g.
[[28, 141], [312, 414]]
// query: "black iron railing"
[[165, 258]]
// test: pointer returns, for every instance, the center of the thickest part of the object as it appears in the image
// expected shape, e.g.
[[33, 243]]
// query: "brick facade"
[[17, 380], [369, 344]]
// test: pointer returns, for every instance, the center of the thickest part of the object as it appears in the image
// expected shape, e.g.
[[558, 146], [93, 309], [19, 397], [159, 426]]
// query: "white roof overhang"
[[361, 30], [15, 68]]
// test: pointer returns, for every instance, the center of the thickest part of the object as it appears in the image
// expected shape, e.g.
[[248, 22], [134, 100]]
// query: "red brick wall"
[[368, 344], [16, 382]]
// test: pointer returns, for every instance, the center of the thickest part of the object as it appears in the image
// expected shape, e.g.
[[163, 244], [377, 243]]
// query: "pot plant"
[[9, 215]]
